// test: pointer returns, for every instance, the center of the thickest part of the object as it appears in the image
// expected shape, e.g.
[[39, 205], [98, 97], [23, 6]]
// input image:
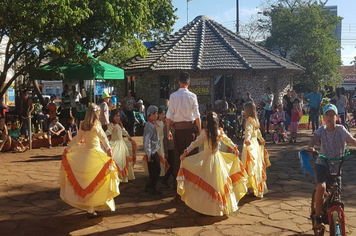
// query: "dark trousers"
[[268, 114], [154, 170], [314, 117], [170, 160], [182, 140], [130, 121]]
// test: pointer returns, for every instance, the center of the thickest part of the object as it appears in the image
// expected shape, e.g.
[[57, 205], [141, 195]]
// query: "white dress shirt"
[[183, 106], [74, 98]]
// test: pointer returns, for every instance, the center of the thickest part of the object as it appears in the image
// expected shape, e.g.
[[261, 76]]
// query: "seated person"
[[73, 129], [15, 133], [56, 130], [281, 117]]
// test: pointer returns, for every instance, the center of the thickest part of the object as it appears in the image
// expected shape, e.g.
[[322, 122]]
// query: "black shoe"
[[268, 132], [155, 191], [92, 215], [149, 190], [295, 140], [318, 222], [165, 183]]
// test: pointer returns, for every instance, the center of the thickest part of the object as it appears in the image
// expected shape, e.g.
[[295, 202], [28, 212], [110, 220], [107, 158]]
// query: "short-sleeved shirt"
[[295, 117], [281, 115], [74, 98], [290, 105], [332, 143], [268, 105], [66, 99], [73, 129], [104, 111], [14, 134], [340, 103], [55, 128], [314, 99]]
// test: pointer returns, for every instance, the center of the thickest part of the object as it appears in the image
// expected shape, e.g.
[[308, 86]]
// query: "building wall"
[[148, 86]]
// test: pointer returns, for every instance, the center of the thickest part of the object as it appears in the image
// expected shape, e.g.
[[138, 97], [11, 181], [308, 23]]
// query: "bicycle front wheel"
[[275, 137], [337, 223]]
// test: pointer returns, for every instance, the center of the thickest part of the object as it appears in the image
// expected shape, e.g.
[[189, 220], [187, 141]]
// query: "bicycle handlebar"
[[316, 154]]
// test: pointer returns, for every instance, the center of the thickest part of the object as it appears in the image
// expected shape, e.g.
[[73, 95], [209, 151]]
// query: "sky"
[[224, 12]]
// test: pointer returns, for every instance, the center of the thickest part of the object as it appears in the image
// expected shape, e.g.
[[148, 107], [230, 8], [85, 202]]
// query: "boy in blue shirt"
[[333, 139]]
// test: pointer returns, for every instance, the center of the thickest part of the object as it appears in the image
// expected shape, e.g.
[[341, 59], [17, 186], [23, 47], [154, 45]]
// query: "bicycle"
[[279, 133], [332, 209]]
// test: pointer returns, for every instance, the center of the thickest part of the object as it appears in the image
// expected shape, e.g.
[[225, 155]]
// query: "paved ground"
[[30, 203]]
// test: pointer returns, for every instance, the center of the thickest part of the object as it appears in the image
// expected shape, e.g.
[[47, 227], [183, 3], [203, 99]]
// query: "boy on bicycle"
[[333, 139]]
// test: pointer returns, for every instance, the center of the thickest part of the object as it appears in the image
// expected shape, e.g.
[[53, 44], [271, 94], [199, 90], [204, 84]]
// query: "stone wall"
[[148, 87]]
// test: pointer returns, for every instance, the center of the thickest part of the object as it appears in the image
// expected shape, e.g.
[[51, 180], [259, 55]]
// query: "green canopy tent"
[[94, 70]]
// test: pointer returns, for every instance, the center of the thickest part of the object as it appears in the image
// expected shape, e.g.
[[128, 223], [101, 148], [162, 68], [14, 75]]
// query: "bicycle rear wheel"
[[336, 223]]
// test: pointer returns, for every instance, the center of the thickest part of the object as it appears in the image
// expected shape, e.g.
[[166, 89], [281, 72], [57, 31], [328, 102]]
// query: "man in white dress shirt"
[[183, 110], [74, 100]]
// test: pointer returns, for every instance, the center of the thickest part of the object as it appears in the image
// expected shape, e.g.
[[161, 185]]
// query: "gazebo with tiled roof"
[[210, 53]]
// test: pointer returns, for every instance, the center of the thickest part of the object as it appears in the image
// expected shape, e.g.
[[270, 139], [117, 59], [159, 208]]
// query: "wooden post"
[[29, 132]]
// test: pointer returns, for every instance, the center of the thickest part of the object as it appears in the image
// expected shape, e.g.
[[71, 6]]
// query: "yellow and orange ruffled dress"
[[255, 159], [161, 152], [121, 152], [212, 182], [88, 176]]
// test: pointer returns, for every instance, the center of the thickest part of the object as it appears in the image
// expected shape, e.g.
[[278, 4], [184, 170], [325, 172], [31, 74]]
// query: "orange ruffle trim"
[[92, 187], [202, 184], [249, 159], [134, 148], [125, 171]]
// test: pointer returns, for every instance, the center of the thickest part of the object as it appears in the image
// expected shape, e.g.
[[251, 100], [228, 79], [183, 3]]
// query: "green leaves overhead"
[[304, 33], [53, 28]]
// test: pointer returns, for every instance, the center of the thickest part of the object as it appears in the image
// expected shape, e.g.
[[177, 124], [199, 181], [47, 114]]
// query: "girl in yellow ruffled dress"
[[88, 176], [211, 182], [121, 153], [255, 157]]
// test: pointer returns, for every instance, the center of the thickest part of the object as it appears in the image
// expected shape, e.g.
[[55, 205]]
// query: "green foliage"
[[304, 33], [53, 28]]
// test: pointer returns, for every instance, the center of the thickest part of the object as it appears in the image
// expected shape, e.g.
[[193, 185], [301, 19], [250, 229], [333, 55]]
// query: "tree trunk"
[[39, 93]]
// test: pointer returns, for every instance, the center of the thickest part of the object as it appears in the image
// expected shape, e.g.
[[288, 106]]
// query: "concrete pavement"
[[30, 202]]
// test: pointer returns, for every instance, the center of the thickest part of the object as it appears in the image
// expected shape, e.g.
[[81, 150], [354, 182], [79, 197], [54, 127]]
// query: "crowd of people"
[[55, 118], [180, 142], [172, 138]]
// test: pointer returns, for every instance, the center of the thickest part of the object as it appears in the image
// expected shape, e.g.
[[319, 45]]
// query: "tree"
[[39, 30], [252, 30], [303, 32]]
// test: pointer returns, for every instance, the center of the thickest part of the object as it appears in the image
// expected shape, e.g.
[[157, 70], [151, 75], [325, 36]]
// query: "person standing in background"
[[104, 111], [129, 104], [268, 99], [74, 100], [315, 99], [183, 110]]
